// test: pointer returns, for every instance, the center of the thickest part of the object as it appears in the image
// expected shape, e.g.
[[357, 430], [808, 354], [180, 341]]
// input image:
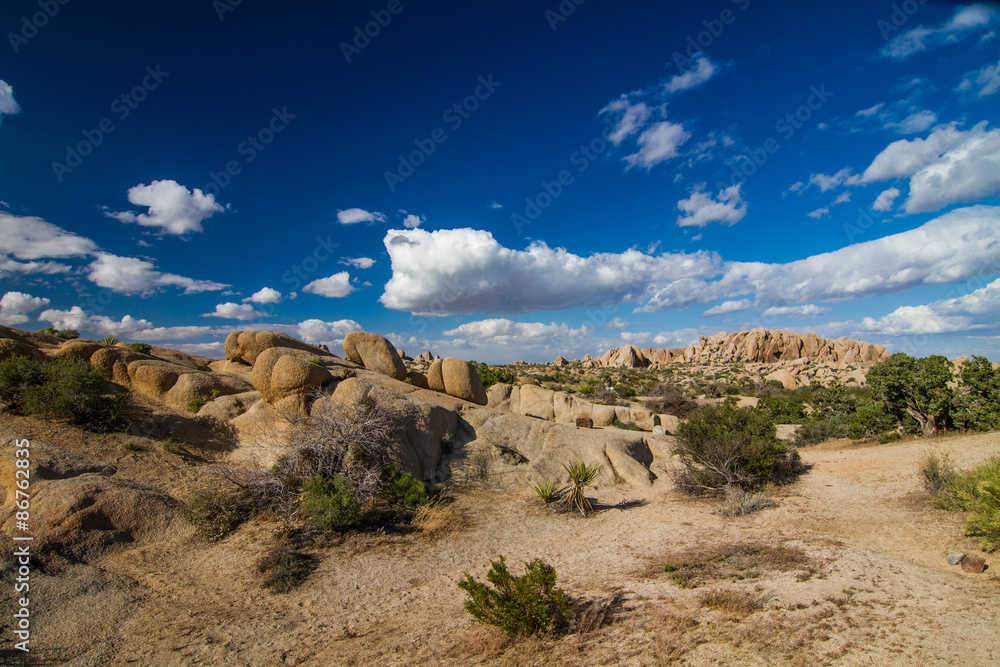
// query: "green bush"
[[722, 446], [215, 512], [787, 409], [63, 389], [491, 375], [815, 431], [142, 348], [330, 503], [65, 334], [195, 404], [671, 401], [526, 605], [976, 491], [977, 402], [403, 488]]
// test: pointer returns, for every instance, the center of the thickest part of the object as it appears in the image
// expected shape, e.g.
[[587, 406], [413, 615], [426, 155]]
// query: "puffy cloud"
[[826, 183], [915, 122], [796, 312], [987, 80], [130, 275], [631, 117], [236, 311], [728, 208], [885, 199], [677, 338], [31, 238], [617, 324], [702, 71], [728, 307], [637, 338], [101, 325], [265, 295], [506, 333], [966, 21], [818, 213], [317, 331], [657, 144], [15, 306], [8, 107], [172, 207], [336, 286], [465, 270], [352, 216], [358, 262], [412, 221], [949, 166], [958, 245]]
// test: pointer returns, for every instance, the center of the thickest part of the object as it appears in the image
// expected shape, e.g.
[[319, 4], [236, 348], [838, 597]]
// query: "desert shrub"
[[65, 334], [770, 389], [142, 348], [438, 516], [205, 369], [547, 492], [625, 390], [285, 568], [110, 340], [939, 475], [526, 605], [330, 503], [870, 419], [131, 447], [976, 491], [891, 436], [403, 488], [815, 431], [491, 375], [786, 409], [722, 446], [215, 511], [671, 402], [63, 389], [586, 388], [195, 404], [915, 388], [605, 396]]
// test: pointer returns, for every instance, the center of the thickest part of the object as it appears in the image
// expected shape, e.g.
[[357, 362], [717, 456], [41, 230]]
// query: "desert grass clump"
[[976, 491], [547, 492], [527, 605], [438, 516], [215, 511], [285, 568], [580, 477], [739, 502], [731, 602]]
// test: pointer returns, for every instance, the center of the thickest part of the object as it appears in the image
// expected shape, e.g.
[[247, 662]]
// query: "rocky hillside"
[[759, 346]]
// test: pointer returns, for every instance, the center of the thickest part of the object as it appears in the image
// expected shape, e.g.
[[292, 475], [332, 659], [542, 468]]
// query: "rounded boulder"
[[374, 353]]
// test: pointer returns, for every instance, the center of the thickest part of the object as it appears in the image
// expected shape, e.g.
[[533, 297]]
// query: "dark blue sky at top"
[[345, 124]]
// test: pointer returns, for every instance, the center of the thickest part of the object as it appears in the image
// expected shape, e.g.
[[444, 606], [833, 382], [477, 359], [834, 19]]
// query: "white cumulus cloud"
[[631, 117], [15, 306], [502, 332], [358, 262], [796, 312], [353, 216], [885, 199], [236, 311], [8, 106], [702, 71], [700, 208], [265, 295], [131, 275], [728, 307], [336, 286], [412, 221], [987, 80], [657, 144], [172, 207]]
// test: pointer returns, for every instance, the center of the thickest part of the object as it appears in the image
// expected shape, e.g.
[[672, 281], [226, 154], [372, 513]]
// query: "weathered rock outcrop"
[[534, 401], [763, 346], [245, 346], [374, 353]]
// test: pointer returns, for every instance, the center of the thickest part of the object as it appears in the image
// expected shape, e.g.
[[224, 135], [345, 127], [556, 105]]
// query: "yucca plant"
[[110, 340], [580, 477], [547, 492]]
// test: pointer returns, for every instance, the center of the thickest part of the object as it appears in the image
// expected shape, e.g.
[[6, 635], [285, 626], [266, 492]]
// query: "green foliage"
[[625, 390], [815, 431], [330, 503], [203, 368], [195, 404], [402, 488], [586, 388], [722, 446], [914, 387], [172, 446], [526, 605], [976, 491], [63, 389], [786, 409], [142, 348], [65, 334], [491, 375], [110, 340], [977, 404], [870, 418], [215, 512], [316, 362], [671, 401], [286, 567], [580, 477], [409, 380], [131, 447], [547, 492]]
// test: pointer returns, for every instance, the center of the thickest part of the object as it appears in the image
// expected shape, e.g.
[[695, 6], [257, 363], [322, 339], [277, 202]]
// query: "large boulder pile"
[[244, 346], [457, 378], [534, 401]]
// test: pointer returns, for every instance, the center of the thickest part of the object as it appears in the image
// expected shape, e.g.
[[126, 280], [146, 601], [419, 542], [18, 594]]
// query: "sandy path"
[[877, 589]]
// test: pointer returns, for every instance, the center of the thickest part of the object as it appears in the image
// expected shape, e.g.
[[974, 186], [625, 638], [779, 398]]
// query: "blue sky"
[[502, 181]]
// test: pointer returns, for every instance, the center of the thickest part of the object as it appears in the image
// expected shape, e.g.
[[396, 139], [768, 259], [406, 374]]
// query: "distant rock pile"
[[759, 346]]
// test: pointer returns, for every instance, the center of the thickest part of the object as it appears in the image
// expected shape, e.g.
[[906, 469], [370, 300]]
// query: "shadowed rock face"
[[763, 346]]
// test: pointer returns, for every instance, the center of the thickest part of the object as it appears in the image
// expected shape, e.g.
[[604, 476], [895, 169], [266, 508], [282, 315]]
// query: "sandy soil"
[[856, 575]]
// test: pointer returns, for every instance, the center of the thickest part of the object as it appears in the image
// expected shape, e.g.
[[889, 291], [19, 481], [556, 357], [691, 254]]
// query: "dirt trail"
[[872, 585]]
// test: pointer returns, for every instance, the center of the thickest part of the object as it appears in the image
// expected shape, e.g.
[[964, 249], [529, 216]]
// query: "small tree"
[[977, 404], [915, 387]]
